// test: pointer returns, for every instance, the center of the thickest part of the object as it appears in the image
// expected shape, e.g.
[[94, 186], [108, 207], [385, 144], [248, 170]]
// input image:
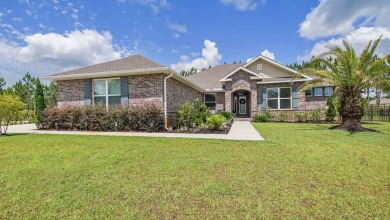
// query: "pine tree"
[[39, 103]]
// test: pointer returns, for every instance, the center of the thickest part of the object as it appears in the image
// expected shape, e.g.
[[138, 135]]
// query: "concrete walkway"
[[234, 133], [243, 130]]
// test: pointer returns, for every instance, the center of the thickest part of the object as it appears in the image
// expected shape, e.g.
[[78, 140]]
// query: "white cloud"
[[268, 54], [194, 54], [177, 27], [358, 39], [176, 35], [155, 5], [242, 5], [341, 17], [17, 19], [210, 57], [51, 53]]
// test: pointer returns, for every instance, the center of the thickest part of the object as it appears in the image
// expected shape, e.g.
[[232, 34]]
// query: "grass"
[[301, 171]]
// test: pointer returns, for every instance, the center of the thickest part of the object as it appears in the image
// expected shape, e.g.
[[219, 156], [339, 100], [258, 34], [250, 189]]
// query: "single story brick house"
[[243, 89]]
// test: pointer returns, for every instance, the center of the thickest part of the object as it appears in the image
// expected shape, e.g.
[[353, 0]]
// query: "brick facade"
[[147, 90], [178, 93], [241, 82], [220, 101], [70, 92]]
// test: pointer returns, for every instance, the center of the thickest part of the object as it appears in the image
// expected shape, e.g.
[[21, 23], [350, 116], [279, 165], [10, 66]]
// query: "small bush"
[[98, 118], [282, 116], [263, 116], [185, 114], [200, 112], [300, 116], [331, 111], [227, 115], [216, 121], [316, 114]]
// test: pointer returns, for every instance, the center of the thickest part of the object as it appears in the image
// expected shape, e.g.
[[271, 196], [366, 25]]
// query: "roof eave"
[[54, 78]]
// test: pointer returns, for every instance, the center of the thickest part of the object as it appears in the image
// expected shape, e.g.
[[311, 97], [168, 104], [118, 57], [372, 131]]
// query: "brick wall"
[[70, 92], [220, 100], [147, 90], [178, 93]]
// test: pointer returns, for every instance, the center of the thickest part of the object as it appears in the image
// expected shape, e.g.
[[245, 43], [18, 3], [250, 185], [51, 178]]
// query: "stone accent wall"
[[70, 92], [147, 90], [178, 93], [220, 99], [241, 81]]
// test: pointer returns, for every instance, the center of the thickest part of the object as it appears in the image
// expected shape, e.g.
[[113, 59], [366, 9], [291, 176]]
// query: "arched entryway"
[[241, 103]]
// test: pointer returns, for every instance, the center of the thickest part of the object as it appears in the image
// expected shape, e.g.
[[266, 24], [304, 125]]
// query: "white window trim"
[[259, 66], [105, 95], [278, 98], [215, 94], [322, 92], [325, 91]]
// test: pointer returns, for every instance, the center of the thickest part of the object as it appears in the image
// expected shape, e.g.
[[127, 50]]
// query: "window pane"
[[273, 104], [99, 87], [285, 103], [114, 86], [272, 93], [328, 91], [99, 100], [318, 91], [212, 106], [309, 92], [285, 93], [114, 100], [209, 97]]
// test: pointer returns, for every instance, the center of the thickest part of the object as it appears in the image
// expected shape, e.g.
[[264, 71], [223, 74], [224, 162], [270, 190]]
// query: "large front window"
[[107, 91], [279, 98], [210, 100]]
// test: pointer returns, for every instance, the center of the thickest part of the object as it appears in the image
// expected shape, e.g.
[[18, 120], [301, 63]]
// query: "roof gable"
[[276, 64], [258, 76]]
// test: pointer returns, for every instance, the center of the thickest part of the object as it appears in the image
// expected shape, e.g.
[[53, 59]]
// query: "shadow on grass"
[[13, 134]]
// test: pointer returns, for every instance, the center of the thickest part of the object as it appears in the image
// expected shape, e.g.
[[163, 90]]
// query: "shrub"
[[200, 112], [216, 121], [300, 116], [316, 114], [185, 114], [331, 112], [99, 118], [227, 115], [282, 116], [263, 116]]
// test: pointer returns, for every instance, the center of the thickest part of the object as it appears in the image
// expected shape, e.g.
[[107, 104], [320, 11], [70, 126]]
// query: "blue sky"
[[49, 36]]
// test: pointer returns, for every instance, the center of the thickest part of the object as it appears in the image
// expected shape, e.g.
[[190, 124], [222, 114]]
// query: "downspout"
[[165, 101]]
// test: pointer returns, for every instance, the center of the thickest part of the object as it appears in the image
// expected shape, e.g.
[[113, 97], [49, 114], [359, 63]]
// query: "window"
[[210, 100], [309, 92], [107, 91], [328, 91], [318, 91], [279, 98], [259, 67]]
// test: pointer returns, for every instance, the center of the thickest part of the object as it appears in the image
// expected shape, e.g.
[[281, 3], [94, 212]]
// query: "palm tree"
[[350, 74]]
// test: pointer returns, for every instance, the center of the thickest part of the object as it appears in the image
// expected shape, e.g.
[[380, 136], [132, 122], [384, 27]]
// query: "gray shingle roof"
[[130, 63], [209, 79]]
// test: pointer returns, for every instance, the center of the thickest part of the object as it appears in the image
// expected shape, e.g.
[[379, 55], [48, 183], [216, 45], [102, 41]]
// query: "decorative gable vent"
[[259, 66]]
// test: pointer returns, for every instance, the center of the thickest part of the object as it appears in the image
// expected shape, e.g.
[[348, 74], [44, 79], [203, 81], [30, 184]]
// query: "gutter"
[[165, 101]]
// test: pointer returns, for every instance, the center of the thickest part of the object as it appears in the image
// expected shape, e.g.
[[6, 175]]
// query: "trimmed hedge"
[[98, 118]]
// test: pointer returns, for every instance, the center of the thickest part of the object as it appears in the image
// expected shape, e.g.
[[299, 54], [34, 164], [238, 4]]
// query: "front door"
[[242, 104]]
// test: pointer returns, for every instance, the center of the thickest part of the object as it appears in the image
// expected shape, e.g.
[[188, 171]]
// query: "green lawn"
[[301, 171]]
